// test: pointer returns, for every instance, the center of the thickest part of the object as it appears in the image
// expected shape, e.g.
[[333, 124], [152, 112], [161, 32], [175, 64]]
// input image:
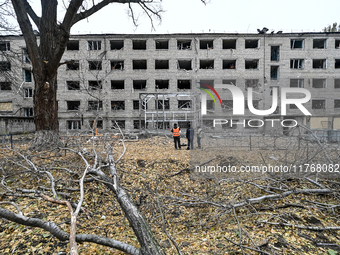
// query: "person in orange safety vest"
[[177, 136]]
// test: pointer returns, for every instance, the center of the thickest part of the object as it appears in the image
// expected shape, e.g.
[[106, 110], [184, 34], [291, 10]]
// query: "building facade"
[[152, 81]]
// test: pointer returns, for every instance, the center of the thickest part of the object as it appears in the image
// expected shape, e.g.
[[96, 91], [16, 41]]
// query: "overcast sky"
[[242, 16]]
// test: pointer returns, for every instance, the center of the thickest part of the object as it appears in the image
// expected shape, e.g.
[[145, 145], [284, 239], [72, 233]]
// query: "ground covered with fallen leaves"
[[202, 215]]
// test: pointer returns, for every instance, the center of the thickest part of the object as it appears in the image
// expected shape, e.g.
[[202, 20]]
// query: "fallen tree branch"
[[300, 226], [63, 236]]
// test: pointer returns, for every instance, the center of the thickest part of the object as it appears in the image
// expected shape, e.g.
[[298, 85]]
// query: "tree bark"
[[149, 244]]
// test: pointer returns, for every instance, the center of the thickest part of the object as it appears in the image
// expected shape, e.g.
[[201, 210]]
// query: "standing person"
[[177, 136], [190, 137], [199, 136]]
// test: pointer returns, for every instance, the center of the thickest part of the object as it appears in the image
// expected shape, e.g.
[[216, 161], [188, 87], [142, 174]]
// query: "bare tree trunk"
[[46, 114]]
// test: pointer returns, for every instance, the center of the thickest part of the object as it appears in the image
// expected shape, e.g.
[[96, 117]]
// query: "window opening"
[[229, 64], [184, 84], [161, 64], [229, 44], [116, 44], [72, 45], [139, 84], [117, 84], [117, 65], [162, 84], [117, 105]]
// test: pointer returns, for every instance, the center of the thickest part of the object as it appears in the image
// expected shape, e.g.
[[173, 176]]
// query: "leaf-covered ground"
[[199, 214]]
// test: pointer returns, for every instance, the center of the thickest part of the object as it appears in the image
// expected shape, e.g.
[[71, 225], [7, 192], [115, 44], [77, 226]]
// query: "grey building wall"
[[214, 59]]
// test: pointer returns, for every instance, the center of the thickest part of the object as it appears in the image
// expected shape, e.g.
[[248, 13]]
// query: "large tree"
[[47, 50]]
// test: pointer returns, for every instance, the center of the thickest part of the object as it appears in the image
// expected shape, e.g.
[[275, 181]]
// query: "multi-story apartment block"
[[138, 80]]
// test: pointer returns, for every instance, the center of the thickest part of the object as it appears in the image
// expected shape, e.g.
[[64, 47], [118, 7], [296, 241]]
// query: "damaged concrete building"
[[153, 81]]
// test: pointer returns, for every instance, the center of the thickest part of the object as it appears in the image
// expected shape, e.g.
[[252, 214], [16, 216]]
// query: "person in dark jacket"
[[177, 136], [190, 137]]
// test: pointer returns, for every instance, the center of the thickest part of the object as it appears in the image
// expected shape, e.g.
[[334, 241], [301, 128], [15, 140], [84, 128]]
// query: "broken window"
[[5, 85], [274, 72], [162, 104], [28, 75], [117, 64], [28, 93], [117, 44], [252, 64], [137, 124], [117, 105], [25, 56], [28, 112], [73, 105], [229, 82], [117, 84], [318, 104], [252, 44], [73, 124], [95, 85], [227, 105], [253, 83], [183, 84], [319, 83], [297, 63], [228, 44], [229, 64], [139, 84], [184, 44], [319, 43], [73, 85], [337, 44], [95, 65], [207, 64], [184, 64], [275, 53], [139, 64], [336, 103], [184, 104], [99, 124], [337, 63], [5, 46], [161, 84], [162, 44], [94, 45], [206, 82], [5, 66], [161, 64], [72, 45], [136, 105], [95, 105], [72, 65], [206, 44], [297, 43], [296, 83], [118, 124], [337, 83], [139, 44], [210, 105], [6, 107], [319, 63]]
